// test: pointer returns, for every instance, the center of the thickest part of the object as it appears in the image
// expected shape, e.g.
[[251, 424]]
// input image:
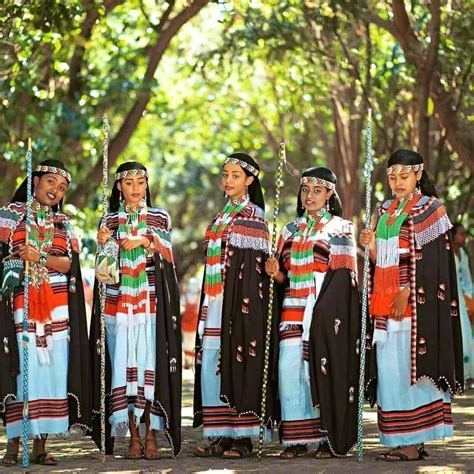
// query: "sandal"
[[10, 459], [134, 454], [240, 449], [323, 451], [213, 450], [151, 454], [45, 459], [291, 452], [395, 456]]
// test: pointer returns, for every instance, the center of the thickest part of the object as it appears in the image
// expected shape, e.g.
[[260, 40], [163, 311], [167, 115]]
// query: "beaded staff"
[[102, 286], [25, 337], [368, 167], [276, 209]]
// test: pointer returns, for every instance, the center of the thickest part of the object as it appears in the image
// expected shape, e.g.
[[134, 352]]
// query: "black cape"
[[79, 376], [335, 336], [438, 340], [241, 382]]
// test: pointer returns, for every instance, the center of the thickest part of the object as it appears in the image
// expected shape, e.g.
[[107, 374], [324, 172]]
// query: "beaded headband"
[[53, 170], [242, 164], [321, 182], [135, 172], [404, 168]]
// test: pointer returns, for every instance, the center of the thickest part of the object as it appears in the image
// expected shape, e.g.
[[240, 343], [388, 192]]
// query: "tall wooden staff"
[[102, 286], [368, 166], [276, 209], [26, 287]]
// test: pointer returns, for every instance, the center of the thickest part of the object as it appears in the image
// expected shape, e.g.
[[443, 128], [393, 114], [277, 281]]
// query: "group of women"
[[413, 342]]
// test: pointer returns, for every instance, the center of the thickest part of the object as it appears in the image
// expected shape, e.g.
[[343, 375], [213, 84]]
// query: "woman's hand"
[[367, 237], [134, 242], [272, 267], [400, 303], [103, 235], [29, 253]]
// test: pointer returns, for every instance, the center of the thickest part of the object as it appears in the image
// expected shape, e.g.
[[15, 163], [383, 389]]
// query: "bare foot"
[[151, 449], [135, 449]]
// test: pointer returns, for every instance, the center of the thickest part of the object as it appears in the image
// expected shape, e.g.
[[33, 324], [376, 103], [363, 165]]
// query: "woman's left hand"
[[29, 253], [134, 242], [400, 303]]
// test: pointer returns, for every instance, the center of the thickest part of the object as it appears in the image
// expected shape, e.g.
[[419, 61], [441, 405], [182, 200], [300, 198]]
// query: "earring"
[[327, 205], [418, 188], [120, 197]]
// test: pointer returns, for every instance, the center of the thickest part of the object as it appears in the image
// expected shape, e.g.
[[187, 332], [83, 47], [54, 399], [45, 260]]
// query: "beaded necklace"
[[302, 255], [213, 278], [134, 281]]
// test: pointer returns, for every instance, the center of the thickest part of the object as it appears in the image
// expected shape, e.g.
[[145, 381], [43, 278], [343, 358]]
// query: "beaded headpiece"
[[127, 173], [321, 182], [404, 168], [242, 164], [53, 170]]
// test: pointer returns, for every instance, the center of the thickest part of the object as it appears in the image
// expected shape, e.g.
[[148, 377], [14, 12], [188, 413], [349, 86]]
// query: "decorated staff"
[[276, 209], [26, 284], [368, 193], [102, 287]]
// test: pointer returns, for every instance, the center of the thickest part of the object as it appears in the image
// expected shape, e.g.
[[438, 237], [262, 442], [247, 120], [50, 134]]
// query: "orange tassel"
[[41, 303]]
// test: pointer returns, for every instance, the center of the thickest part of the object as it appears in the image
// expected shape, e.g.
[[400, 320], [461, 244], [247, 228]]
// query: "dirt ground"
[[77, 454]]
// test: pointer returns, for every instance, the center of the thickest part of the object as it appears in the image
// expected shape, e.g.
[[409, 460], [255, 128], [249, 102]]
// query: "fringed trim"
[[458, 389], [225, 400], [73, 395], [251, 233], [5, 399], [167, 431], [10, 217], [430, 222], [342, 245], [72, 237], [162, 240]]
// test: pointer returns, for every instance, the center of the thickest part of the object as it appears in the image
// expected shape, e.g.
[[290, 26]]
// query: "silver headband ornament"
[[242, 164], [404, 168], [130, 173], [321, 182], [53, 170]]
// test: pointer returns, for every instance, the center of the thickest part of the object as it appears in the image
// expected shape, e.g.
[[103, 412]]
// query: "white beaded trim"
[[321, 182], [404, 168], [53, 170], [135, 172], [242, 164]]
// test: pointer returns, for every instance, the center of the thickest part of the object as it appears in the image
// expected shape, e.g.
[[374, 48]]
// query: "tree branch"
[[155, 54]]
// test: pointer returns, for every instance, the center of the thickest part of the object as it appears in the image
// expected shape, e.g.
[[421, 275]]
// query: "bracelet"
[[150, 250], [43, 258]]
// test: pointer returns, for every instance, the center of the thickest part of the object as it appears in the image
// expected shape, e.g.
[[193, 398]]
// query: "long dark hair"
[[409, 157], [335, 205], [21, 192], [255, 189], [114, 201]]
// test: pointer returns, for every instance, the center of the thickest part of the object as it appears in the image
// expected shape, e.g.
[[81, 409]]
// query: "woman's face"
[[234, 181], [402, 184], [133, 189], [459, 237], [314, 197], [50, 189]]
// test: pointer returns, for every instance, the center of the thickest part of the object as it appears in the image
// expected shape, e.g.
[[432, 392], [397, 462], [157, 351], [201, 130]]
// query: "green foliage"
[[239, 76]]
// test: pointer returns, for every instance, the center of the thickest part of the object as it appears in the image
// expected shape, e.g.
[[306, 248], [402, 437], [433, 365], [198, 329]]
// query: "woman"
[[416, 363], [58, 375], [464, 281], [319, 323], [232, 323], [142, 319]]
